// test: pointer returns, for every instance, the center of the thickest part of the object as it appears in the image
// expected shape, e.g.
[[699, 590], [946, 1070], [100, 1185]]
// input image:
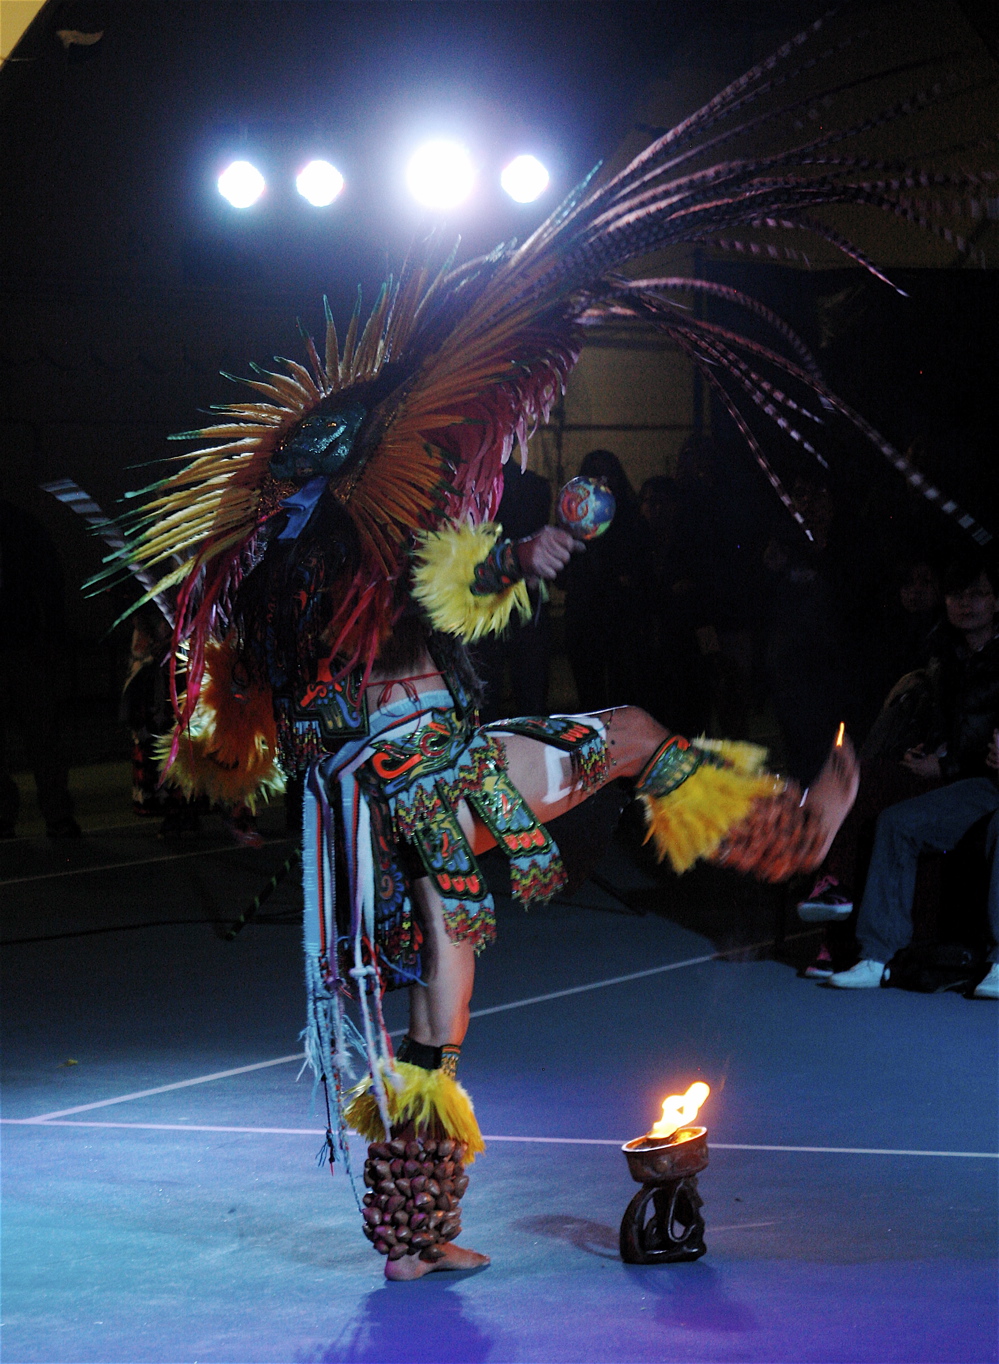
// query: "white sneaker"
[[989, 987], [866, 975]]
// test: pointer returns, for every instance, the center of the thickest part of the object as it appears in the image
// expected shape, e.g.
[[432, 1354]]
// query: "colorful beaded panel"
[[499, 570], [670, 766], [585, 743], [424, 777], [320, 718]]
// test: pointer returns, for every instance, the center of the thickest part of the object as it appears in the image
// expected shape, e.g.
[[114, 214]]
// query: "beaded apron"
[[402, 783]]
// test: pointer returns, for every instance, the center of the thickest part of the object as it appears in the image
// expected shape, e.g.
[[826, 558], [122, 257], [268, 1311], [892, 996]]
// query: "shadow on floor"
[[592, 1237], [423, 1323]]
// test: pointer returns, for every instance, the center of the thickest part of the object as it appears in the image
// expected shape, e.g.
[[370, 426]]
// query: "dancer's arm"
[[471, 581]]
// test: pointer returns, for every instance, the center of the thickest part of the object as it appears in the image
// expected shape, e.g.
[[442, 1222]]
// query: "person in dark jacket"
[[525, 646], [960, 753], [604, 602]]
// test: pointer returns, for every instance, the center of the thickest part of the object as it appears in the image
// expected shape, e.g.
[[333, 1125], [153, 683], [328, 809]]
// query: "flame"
[[841, 732], [680, 1109]]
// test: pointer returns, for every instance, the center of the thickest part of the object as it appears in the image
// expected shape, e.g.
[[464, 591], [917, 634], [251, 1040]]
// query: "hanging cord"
[[405, 683], [262, 897], [327, 1152]]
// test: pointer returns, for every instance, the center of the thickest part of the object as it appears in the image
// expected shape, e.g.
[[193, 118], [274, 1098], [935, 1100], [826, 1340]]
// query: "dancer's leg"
[[438, 1016], [438, 1007], [633, 737]]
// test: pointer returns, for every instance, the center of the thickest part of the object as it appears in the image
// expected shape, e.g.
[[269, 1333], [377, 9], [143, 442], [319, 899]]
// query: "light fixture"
[[525, 179], [440, 174], [241, 183], [320, 183]]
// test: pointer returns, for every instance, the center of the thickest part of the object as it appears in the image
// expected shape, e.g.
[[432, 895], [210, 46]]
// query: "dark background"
[[127, 282]]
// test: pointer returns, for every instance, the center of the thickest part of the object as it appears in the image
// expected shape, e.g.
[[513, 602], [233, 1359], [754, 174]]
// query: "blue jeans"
[[935, 821]]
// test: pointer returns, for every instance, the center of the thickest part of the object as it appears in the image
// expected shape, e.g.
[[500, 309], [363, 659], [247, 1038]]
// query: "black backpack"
[[932, 967]]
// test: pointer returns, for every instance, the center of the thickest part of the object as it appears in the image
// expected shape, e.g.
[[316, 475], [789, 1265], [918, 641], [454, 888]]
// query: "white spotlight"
[[525, 179], [440, 174], [242, 184], [320, 183]]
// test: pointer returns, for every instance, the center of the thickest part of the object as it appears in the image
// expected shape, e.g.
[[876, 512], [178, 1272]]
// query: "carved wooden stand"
[[663, 1222]]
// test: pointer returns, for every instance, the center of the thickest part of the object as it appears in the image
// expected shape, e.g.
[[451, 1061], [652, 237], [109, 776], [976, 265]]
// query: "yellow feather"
[[442, 580], [691, 821], [332, 355], [228, 749], [428, 1099]]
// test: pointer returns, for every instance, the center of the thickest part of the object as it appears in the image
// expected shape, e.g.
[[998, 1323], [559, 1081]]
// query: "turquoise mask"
[[321, 444]]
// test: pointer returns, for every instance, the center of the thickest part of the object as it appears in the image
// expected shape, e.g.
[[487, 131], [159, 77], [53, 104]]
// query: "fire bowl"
[[663, 1222]]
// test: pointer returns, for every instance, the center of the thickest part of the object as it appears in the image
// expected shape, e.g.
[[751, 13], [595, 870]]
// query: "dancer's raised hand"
[[546, 553]]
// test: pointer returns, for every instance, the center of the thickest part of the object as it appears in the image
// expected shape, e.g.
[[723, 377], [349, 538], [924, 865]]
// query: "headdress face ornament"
[[321, 444]]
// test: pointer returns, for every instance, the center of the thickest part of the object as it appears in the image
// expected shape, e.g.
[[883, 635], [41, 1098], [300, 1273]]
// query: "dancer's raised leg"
[[777, 834]]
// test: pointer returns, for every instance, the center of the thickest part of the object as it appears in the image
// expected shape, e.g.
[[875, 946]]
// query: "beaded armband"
[[499, 570], [669, 767]]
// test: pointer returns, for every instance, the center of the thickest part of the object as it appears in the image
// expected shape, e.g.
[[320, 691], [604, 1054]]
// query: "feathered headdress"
[[411, 419]]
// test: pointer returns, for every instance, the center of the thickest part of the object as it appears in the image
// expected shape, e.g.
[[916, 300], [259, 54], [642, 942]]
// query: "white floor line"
[[476, 1013], [599, 984], [171, 1127], [741, 1146], [633, 975], [139, 862], [527, 1141], [163, 1089], [89, 831]]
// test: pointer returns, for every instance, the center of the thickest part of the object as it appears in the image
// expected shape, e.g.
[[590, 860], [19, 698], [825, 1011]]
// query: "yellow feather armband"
[[444, 576], [228, 749]]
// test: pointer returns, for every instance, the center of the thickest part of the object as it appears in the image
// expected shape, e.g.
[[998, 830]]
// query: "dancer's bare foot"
[[455, 1257], [833, 792]]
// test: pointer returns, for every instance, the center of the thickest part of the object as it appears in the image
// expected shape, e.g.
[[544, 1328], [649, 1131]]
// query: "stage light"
[[242, 184], [320, 183], [525, 179], [440, 174]]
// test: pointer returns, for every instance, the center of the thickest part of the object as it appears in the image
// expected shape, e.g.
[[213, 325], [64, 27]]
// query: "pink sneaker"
[[828, 902], [822, 967]]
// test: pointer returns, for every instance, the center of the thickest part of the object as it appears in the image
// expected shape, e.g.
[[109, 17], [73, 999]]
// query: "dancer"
[[335, 552]]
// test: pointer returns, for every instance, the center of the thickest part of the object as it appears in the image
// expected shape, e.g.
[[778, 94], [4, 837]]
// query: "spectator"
[[33, 660], [958, 757], [810, 605], [145, 707], [605, 607], [719, 536], [525, 648], [672, 651], [908, 621]]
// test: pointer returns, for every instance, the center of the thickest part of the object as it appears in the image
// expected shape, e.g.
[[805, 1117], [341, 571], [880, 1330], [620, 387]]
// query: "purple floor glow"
[[126, 1244]]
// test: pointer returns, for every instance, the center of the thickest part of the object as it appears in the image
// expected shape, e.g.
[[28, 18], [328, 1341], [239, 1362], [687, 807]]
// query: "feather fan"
[[477, 354]]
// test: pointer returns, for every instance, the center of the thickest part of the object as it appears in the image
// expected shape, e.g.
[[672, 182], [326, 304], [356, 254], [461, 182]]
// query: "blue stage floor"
[[194, 1225]]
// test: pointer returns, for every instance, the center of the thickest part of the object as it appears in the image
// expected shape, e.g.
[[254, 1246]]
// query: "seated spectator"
[[720, 534], [954, 759], [906, 623], [810, 606], [937, 820]]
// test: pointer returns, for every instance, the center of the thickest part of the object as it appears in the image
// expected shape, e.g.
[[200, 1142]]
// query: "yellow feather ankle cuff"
[[428, 1099], [690, 822]]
